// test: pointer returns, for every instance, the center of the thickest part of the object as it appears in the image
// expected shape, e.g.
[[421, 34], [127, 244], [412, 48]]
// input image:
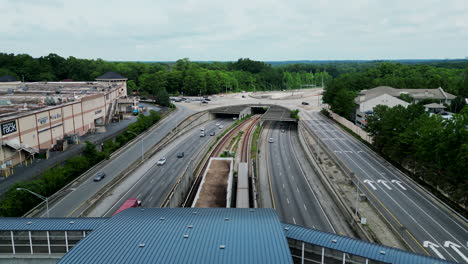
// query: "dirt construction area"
[[214, 185]]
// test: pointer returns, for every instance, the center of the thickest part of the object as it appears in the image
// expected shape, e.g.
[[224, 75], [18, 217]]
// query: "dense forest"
[[158, 79]]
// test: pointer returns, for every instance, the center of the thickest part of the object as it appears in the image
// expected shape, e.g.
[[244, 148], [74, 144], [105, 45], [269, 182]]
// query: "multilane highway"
[[155, 183], [294, 197], [80, 194], [427, 225]]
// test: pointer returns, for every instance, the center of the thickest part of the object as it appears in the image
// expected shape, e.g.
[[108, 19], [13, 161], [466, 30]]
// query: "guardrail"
[[91, 171], [393, 223]]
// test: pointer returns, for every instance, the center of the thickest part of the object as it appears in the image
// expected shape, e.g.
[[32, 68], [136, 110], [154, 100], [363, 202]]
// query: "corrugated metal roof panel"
[[50, 224], [158, 235], [357, 247]]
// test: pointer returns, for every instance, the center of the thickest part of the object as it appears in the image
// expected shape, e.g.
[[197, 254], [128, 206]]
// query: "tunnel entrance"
[[259, 109]]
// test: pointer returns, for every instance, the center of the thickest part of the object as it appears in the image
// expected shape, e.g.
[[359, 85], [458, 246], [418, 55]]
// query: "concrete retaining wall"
[[348, 124]]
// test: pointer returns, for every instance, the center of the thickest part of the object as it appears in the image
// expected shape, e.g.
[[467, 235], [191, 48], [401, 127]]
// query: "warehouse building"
[[34, 116]]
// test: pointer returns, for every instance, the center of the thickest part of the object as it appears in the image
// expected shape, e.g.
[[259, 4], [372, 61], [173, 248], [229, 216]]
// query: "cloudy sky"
[[166, 30]]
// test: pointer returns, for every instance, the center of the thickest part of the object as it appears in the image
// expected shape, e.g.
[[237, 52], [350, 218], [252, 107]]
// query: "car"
[[202, 129], [180, 155], [202, 134], [207, 99], [221, 126], [212, 133], [282, 130], [99, 176], [234, 118], [218, 124], [270, 140], [305, 103], [204, 102], [243, 96], [161, 161]]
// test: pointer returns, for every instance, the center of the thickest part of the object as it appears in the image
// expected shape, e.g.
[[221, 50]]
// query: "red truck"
[[132, 202]]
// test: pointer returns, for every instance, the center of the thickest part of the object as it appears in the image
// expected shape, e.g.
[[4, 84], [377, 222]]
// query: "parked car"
[[180, 155], [161, 161], [243, 96], [99, 176], [305, 103], [270, 140], [202, 134], [212, 133], [202, 129], [204, 102], [207, 99], [217, 124], [221, 126]]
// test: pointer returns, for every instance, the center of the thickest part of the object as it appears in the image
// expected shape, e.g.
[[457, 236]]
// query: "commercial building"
[[35, 116], [389, 96]]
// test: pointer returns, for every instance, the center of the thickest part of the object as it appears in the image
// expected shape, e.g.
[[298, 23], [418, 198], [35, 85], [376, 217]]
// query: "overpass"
[[270, 112]]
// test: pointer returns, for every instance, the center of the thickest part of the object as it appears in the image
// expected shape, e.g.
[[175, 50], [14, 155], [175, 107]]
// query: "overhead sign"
[[8, 127]]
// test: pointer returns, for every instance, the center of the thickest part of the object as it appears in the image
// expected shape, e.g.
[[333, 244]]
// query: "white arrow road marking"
[[455, 248], [360, 151], [337, 151], [433, 247], [399, 184], [384, 183], [370, 184]]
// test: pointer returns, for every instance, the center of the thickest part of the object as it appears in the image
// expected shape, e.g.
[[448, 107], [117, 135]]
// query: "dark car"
[[212, 133], [180, 155], [204, 102], [305, 103], [207, 99], [99, 176]]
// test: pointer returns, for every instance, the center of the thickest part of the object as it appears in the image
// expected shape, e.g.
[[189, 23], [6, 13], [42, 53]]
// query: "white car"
[[217, 124], [270, 140], [202, 129], [161, 161], [221, 126]]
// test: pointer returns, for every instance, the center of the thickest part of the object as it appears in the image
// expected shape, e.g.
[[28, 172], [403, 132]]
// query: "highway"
[[80, 194], [156, 182], [294, 198], [427, 225]]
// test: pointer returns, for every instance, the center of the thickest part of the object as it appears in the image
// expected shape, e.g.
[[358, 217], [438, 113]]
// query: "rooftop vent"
[[334, 241], [226, 219], [190, 226], [382, 252], [162, 218], [71, 222], [222, 246], [185, 236], [141, 245], [28, 223], [194, 212], [286, 228]]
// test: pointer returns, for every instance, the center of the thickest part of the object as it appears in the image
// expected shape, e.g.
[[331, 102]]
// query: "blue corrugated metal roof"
[[49, 224], [357, 247], [248, 235]]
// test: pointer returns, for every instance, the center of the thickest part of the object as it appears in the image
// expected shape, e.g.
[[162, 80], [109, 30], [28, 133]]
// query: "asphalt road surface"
[[294, 198], [158, 180], [66, 206], [429, 226]]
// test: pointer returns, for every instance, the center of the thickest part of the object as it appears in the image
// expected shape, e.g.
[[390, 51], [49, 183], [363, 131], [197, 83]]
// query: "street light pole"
[[142, 152], [38, 195]]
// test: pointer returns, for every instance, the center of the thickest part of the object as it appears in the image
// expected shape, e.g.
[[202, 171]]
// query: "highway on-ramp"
[[429, 226]]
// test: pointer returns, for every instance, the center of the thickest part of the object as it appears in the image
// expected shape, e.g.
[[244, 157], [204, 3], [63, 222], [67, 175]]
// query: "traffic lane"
[[423, 212], [88, 188], [314, 206], [285, 211], [418, 221], [161, 178]]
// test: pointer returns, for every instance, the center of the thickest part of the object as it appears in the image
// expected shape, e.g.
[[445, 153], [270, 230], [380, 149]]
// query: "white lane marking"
[[399, 183], [152, 181], [434, 247], [138, 196], [370, 184], [384, 183], [456, 248], [294, 220], [283, 186], [297, 189], [305, 207], [287, 200], [151, 198], [403, 209]]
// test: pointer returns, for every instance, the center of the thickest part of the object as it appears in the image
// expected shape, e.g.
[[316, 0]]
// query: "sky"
[[221, 30]]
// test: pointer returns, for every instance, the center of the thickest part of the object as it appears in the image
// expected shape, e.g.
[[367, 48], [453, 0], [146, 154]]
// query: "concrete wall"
[[348, 124], [247, 111]]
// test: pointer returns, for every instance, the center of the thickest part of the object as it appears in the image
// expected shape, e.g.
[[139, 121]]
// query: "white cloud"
[[227, 30]]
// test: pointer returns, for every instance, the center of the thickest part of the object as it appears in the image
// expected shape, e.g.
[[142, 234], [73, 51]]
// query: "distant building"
[[34, 116], [389, 96]]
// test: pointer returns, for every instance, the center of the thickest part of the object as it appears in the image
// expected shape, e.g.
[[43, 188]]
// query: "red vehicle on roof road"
[[132, 202]]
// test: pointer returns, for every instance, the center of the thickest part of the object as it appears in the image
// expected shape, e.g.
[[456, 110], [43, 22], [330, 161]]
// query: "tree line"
[[432, 148], [341, 91]]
